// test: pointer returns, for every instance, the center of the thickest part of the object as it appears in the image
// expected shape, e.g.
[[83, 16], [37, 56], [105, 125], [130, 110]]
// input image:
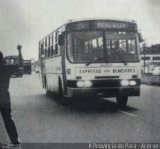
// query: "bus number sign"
[[68, 71]]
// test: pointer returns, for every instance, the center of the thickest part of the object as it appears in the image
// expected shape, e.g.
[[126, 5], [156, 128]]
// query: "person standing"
[[5, 103]]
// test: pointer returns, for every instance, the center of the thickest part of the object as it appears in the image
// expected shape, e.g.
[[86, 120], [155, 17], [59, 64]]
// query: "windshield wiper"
[[120, 55], [96, 60], [123, 61]]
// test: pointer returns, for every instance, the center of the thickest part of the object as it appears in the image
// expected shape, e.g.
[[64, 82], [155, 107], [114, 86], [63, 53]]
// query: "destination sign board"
[[101, 25], [118, 25]]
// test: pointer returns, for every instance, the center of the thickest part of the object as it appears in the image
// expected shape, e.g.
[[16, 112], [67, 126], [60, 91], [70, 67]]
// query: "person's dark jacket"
[[4, 77]]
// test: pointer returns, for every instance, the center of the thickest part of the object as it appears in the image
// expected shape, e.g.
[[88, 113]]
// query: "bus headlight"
[[80, 84], [87, 83], [132, 83], [84, 84], [124, 82]]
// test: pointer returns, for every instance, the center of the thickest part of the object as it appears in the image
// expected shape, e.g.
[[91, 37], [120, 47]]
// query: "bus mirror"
[[140, 37], [61, 40]]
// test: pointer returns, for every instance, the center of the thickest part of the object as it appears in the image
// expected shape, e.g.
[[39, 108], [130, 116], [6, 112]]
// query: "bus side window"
[[50, 40], [56, 48], [53, 43], [49, 52], [48, 46], [42, 49], [46, 42], [46, 50], [56, 43]]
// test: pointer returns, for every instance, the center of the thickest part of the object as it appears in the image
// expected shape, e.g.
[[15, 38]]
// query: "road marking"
[[130, 114]]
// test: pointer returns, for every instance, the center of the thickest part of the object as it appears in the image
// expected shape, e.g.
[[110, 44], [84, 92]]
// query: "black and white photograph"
[[79, 74]]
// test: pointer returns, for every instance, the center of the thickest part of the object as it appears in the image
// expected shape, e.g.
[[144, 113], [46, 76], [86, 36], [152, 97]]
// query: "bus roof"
[[99, 19], [90, 19]]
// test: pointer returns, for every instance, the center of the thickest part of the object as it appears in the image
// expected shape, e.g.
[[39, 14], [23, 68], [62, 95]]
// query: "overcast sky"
[[25, 22]]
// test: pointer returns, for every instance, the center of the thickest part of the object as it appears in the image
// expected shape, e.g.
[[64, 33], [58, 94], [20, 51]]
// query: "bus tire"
[[60, 90], [122, 101], [63, 100], [46, 88], [20, 75]]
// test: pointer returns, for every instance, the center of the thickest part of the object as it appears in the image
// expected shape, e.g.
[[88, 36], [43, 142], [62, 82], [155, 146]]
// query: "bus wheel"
[[20, 75], [46, 88], [63, 100], [122, 101]]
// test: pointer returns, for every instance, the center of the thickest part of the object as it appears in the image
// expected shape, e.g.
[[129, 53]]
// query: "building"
[[150, 58]]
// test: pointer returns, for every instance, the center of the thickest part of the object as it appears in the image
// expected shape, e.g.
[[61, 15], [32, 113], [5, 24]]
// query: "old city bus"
[[92, 58]]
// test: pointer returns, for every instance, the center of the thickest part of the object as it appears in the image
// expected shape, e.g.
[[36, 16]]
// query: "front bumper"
[[103, 92], [104, 88]]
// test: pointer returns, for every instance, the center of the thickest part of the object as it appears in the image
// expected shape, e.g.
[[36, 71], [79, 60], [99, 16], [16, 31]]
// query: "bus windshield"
[[102, 46]]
